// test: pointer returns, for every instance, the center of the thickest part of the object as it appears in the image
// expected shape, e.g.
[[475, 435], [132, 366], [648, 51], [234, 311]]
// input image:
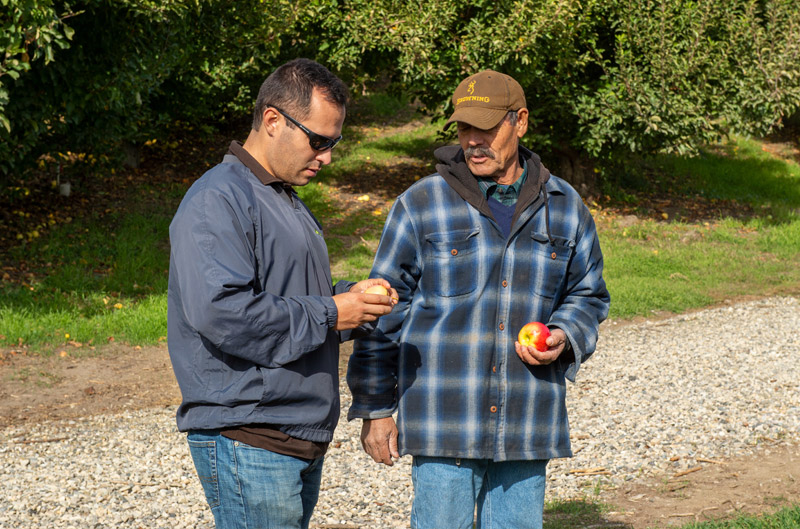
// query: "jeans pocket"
[[204, 455]]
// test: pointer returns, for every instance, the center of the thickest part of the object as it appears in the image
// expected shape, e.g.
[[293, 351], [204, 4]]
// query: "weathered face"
[[493, 153], [292, 159]]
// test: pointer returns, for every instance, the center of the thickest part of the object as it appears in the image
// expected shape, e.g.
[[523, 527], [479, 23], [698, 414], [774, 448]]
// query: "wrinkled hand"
[[379, 439], [555, 346], [356, 308]]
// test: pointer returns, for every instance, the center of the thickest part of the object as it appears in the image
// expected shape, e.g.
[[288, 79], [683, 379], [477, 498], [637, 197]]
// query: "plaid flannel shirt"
[[444, 359]]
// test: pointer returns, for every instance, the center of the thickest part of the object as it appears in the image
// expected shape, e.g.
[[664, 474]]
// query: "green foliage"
[[30, 32], [131, 68], [602, 77], [678, 75]]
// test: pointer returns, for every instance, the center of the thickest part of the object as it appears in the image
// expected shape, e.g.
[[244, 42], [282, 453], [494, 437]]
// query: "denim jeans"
[[509, 494], [253, 488]]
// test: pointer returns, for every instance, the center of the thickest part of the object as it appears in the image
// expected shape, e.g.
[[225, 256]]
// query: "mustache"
[[480, 151]]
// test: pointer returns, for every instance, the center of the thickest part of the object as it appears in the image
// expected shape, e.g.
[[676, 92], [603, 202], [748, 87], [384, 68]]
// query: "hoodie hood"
[[453, 168]]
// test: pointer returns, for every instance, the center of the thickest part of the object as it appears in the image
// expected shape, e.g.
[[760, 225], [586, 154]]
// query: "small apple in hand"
[[377, 289], [535, 334]]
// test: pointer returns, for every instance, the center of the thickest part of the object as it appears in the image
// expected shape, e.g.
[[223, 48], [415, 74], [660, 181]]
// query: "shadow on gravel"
[[579, 514]]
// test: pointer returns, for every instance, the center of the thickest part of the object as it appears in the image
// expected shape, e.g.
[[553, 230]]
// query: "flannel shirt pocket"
[[452, 263], [552, 259]]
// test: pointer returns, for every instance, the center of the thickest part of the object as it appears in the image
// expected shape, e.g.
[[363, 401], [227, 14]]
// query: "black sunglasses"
[[318, 142]]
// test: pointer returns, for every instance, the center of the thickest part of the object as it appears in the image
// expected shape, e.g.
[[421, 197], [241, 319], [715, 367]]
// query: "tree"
[[130, 68], [602, 77]]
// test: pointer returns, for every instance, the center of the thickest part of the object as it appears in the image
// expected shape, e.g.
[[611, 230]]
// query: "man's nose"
[[474, 137], [325, 157]]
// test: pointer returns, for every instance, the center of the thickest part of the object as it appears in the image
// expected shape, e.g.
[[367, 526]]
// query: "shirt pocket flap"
[[454, 243]]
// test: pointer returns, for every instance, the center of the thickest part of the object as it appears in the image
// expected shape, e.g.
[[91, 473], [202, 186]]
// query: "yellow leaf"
[[118, 305], [363, 198]]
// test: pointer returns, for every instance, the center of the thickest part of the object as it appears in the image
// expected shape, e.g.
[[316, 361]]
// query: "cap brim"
[[480, 118]]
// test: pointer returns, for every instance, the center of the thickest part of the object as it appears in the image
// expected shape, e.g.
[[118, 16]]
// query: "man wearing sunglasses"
[[254, 320]]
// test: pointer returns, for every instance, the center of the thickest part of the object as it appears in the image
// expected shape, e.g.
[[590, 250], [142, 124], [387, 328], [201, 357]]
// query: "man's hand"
[[555, 346], [379, 439], [361, 286], [356, 308]]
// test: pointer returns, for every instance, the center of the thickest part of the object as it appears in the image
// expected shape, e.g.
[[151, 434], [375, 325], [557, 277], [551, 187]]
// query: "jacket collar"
[[453, 168], [251, 163]]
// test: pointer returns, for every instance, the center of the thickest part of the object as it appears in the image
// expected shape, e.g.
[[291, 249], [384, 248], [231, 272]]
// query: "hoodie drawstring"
[[547, 216]]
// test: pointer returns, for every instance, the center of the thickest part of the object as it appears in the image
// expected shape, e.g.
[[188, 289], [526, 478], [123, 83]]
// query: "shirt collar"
[[491, 188]]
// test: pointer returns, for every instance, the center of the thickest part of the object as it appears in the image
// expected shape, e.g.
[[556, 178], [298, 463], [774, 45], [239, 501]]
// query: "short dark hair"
[[290, 87]]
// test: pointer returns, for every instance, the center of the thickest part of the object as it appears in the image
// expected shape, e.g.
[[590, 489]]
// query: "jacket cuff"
[[331, 312]]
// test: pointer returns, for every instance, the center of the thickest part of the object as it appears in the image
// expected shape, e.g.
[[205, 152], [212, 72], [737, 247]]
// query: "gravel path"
[[710, 384]]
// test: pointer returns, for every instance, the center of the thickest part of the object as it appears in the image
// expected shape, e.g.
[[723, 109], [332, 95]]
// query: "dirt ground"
[[35, 388]]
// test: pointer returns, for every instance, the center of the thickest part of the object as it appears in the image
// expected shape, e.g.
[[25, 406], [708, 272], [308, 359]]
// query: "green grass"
[[93, 279], [578, 514], [788, 518], [670, 266], [105, 274]]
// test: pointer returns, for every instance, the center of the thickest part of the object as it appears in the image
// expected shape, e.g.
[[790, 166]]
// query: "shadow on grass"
[[735, 180], [579, 514]]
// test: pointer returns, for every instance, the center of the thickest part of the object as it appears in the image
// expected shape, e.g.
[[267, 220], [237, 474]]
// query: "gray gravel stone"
[[657, 398]]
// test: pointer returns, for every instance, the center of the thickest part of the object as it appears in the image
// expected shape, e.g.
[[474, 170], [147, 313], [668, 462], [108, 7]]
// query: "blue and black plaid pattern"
[[444, 358]]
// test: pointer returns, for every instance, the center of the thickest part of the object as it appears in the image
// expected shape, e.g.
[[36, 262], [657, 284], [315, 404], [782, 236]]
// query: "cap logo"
[[471, 97]]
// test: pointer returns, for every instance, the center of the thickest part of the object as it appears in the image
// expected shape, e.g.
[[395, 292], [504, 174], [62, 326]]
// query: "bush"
[[603, 77]]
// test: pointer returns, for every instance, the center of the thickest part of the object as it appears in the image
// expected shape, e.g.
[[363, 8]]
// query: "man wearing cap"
[[490, 242]]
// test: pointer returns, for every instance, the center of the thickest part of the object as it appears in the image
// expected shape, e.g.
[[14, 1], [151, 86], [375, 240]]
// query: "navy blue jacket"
[[250, 313]]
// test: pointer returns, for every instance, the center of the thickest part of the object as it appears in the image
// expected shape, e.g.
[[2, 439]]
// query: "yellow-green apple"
[[535, 334], [377, 289]]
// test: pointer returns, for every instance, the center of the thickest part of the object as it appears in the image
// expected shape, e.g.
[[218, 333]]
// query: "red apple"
[[377, 289], [535, 334]]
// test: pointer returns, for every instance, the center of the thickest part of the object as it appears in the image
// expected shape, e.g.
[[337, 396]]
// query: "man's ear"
[[270, 120], [522, 122]]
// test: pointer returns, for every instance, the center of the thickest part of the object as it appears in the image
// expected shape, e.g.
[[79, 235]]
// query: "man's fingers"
[[530, 355], [379, 454], [378, 304]]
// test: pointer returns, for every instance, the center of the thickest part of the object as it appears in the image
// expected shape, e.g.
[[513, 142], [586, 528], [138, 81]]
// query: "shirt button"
[[553, 255], [454, 251], [493, 409], [502, 326], [505, 283]]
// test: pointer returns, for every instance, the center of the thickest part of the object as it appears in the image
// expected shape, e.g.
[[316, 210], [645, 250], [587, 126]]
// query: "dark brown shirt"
[[272, 439]]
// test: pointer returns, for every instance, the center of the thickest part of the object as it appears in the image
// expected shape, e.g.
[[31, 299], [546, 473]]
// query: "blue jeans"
[[253, 488], [509, 494]]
